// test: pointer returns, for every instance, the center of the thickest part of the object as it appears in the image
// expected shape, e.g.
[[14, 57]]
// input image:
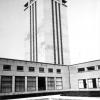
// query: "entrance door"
[[41, 83]]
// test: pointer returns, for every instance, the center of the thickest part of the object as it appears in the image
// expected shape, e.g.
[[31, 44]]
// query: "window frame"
[[92, 83], [20, 69], [6, 69], [6, 84], [50, 70], [90, 68], [58, 71], [80, 71], [98, 67], [41, 69], [29, 69], [59, 81], [84, 83]]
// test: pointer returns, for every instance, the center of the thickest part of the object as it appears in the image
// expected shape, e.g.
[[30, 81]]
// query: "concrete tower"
[[48, 31]]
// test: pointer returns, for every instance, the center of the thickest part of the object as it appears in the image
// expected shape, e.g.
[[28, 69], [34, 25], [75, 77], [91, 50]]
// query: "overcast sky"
[[83, 29]]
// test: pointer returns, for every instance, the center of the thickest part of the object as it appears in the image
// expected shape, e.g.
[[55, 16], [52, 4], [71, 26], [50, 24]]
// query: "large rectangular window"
[[50, 83], [92, 83], [19, 83], [31, 83], [82, 83], [6, 84], [6, 67], [59, 84]]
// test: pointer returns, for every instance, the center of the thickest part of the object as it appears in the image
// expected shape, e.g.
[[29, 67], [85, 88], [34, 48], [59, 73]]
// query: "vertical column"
[[33, 40], [13, 84], [46, 82], [55, 82], [54, 46], [57, 31], [36, 59], [60, 34], [25, 83], [31, 34], [0, 84], [36, 83]]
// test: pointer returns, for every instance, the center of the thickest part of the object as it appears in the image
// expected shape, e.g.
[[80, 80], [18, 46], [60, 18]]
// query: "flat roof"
[[32, 61]]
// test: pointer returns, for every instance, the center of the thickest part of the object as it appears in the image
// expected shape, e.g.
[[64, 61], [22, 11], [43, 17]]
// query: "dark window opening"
[[31, 69], [41, 83], [98, 66], [90, 68], [94, 83], [19, 68], [41, 70], [50, 70], [58, 71], [6, 67], [84, 83], [81, 69]]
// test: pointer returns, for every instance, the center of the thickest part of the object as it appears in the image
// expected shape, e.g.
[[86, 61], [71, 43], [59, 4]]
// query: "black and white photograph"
[[49, 49]]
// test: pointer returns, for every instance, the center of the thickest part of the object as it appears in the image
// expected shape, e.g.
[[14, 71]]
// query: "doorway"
[[41, 83]]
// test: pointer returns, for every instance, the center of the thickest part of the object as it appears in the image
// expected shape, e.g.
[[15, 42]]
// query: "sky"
[[83, 29]]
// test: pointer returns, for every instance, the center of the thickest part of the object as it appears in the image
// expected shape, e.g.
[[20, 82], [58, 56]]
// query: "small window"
[[31, 69], [50, 70], [19, 68], [6, 67], [99, 67], [58, 71], [81, 69], [41, 70], [90, 68]]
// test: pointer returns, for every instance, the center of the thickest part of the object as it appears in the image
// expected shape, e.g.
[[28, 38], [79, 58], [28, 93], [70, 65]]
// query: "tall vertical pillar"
[[0, 84], [25, 83], [33, 31], [13, 84], [57, 32], [36, 83]]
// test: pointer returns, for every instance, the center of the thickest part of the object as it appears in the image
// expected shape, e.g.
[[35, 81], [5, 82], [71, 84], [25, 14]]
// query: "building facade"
[[24, 77], [48, 32], [85, 76]]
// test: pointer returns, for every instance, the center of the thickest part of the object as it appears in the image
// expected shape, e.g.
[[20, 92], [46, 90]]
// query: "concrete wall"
[[14, 63], [75, 75]]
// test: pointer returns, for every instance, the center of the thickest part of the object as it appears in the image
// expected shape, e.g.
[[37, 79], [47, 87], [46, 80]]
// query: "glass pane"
[[31, 83], [6, 84], [90, 84], [19, 83]]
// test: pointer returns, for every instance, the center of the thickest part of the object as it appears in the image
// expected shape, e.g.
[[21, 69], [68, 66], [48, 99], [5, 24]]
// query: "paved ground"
[[58, 97]]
